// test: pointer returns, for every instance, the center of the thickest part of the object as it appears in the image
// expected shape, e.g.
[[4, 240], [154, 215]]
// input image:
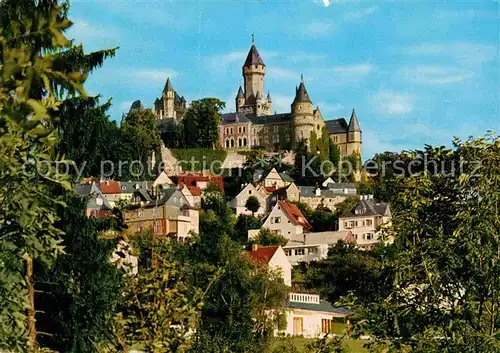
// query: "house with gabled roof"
[[237, 204], [274, 257], [170, 215], [276, 180], [314, 246], [286, 219], [328, 196], [365, 219], [97, 204], [309, 316]]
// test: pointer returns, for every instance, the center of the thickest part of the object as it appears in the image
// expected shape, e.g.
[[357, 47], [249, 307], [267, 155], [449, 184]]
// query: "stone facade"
[[254, 125]]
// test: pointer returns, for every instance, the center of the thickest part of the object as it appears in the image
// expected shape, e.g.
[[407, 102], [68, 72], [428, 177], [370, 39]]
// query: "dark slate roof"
[[231, 118], [157, 101], [144, 195], [336, 126], [310, 191], [253, 57], [240, 92], [323, 306], [168, 86], [271, 119], [354, 123], [334, 186], [172, 197], [301, 94], [137, 105], [286, 177], [369, 208]]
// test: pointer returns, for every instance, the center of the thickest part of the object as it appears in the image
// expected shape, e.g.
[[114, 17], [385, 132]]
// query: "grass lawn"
[[355, 346]]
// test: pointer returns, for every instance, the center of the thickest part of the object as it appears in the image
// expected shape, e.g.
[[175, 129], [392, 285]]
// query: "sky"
[[416, 72]]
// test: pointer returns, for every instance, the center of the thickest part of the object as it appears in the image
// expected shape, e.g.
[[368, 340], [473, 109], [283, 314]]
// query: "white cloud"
[[91, 34], [466, 53], [328, 107], [435, 75], [324, 3], [353, 16], [392, 103], [318, 28], [152, 76], [282, 74], [281, 103]]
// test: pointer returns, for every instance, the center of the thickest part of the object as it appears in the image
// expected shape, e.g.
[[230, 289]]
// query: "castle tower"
[[269, 102], [168, 100], [302, 113], [354, 135], [240, 98], [258, 105], [254, 71]]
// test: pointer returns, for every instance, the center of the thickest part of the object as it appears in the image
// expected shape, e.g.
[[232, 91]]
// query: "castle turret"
[[354, 135], [302, 113], [254, 71], [168, 100], [240, 98]]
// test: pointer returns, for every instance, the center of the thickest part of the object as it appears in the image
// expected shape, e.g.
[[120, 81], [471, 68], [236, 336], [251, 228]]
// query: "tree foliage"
[[201, 123], [267, 237], [252, 204]]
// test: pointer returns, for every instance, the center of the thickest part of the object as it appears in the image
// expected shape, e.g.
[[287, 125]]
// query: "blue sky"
[[416, 72]]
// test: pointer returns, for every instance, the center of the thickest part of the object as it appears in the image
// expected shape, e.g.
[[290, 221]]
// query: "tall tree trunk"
[[30, 315]]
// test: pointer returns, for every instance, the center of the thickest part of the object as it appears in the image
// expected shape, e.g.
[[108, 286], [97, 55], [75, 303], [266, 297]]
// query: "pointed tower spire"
[[253, 39], [240, 92], [354, 123], [269, 96], [301, 94], [168, 86], [253, 57]]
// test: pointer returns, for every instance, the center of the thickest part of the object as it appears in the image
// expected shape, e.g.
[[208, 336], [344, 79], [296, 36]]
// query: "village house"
[[237, 204], [365, 220], [97, 204], [309, 316], [314, 246], [272, 195], [115, 191], [285, 219], [329, 196], [276, 180], [171, 215], [275, 258]]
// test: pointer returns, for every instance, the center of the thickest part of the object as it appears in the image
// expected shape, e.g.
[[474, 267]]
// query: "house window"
[[277, 219], [345, 225], [140, 213], [311, 251], [326, 325], [369, 236], [351, 224], [278, 231], [298, 325], [369, 222], [299, 252], [288, 252]]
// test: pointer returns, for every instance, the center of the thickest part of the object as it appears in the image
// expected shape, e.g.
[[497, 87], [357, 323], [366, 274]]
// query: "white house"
[[314, 246], [364, 221], [275, 258], [238, 202], [309, 316], [287, 220], [276, 180], [163, 180]]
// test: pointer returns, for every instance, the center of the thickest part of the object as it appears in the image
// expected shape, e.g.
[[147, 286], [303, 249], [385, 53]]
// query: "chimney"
[[305, 238], [318, 192], [255, 247]]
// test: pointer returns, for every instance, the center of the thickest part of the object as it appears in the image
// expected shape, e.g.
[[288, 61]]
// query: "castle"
[[254, 125]]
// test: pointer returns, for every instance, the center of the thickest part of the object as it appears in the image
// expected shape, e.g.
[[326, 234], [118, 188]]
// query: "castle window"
[[239, 142], [232, 143], [317, 126], [255, 142], [276, 139], [254, 131], [239, 129], [256, 66], [244, 130], [244, 141], [227, 143], [231, 130]]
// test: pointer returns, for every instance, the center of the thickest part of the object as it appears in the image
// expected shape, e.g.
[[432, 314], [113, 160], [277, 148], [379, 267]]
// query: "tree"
[[267, 237], [334, 153], [444, 297], [76, 297], [140, 137], [160, 307], [243, 224], [85, 121], [322, 219], [201, 123], [38, 66], [252, 204]]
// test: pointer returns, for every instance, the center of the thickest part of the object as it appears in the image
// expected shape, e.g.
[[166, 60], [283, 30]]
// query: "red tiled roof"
[[270, 189], [190, 179], [194, 190], [293, 212], [110, 187], [263, 254]]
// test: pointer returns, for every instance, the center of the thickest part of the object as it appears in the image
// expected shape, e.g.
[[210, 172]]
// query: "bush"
[[203, 159]]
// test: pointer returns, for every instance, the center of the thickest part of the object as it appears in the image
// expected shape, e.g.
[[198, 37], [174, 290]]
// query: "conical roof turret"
[[301, 94], [168, 86], [240, 93], [253, 57], [353, 123]]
